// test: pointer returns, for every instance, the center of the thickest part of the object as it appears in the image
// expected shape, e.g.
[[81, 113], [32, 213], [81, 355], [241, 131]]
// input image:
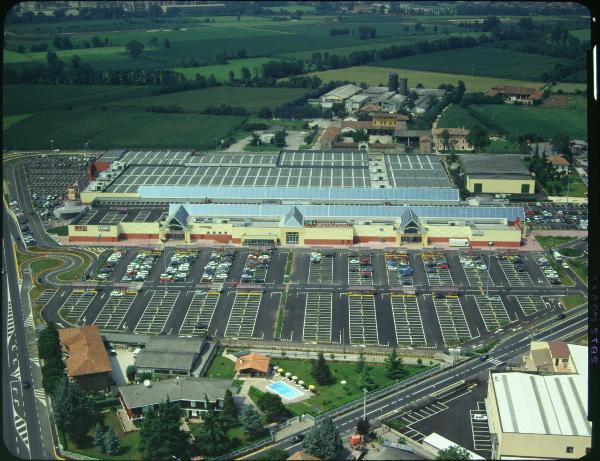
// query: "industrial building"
[[541, 412], [496, 174], [286, 198]]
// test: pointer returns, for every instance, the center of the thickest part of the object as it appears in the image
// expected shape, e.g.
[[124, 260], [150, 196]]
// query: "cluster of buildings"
[[285, 198]]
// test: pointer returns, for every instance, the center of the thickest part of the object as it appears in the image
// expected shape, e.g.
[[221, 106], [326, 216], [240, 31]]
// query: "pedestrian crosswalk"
[[35, 360], [21, 427], [29, 321], [96, 250], [40, 395]]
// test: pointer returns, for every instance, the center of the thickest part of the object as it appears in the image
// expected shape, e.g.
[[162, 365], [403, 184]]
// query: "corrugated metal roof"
[[350, 211], [410, 194]]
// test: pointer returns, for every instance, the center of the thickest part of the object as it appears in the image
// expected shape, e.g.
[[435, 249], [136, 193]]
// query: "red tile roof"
[[454, 131], [253, 362], [558, 160], [330, 134], [559, 349], [87, 354]]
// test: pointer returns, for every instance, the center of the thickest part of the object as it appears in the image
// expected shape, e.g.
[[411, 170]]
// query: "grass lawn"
[[120, 129], [544, 121], [571, 301], [129, 441], [479, 61], [61, 230], [9, 120], [502, 147], [253, 99], [75, 274], [580, 267], [221, 367], [551, 241], [221, 72], [571, 252], [333, 396], [581, 34], [374, 75], [42, 265], [262, 148], [457, 116], [564, 278]]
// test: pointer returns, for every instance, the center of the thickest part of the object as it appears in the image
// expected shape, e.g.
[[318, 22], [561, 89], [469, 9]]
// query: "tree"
[[320, 371], [130, 372], [245, 73], [279, 139], [394, 365], [99, 442], [73, 410], [161, 436], [211, 437], [48, 342], [360, 363], [561, 144], [113, 445], [231, 75], [265, 112], [229, 411], [251, 422], [96, 42], [75, 61], [490, 23], [365, 381], [453, 452], [134, 48], [478, 137], [445, 136], [241, 53], [363, 427], [323, 440], [167, 43], [272, 406]]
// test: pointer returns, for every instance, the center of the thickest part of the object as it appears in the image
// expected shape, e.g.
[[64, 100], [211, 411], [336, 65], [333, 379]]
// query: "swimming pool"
[[284, 390]]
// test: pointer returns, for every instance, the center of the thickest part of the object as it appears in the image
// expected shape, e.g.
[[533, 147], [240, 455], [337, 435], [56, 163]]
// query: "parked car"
[[479, 417], [297, 438]]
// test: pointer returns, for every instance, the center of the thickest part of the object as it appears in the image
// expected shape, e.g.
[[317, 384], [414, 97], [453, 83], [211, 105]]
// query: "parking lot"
[[45, 297], [530, 304], [363, 321], [437, 269], [76, 304], [156, 313], [398, 268], [492, 311], [48, 178], [242, 319], [547, 215], [321, 271], [361, 268], [318, 315], [200, 313], [407, 320], [476, 270], [451, 318], [114, 311], [515, 272]]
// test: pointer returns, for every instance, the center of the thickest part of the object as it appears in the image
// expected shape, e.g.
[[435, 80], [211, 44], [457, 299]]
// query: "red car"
[[366, 274], [442, 266], [365, 261]]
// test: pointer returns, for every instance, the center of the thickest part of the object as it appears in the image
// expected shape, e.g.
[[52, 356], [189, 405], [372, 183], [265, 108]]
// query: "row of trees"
[[53, 368], [224, 109]]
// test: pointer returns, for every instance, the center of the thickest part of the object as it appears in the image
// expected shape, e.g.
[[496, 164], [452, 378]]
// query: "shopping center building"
[[287, 198]]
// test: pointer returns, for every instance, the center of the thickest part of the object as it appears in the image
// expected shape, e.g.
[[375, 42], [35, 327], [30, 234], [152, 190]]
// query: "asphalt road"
[[24, 414], [474, 368]]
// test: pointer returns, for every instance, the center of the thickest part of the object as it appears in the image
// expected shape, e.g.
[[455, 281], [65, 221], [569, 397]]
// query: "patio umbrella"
[[287, 374], [280, 370], [301, 382], [294, 378], [343, 382], [311, 387]]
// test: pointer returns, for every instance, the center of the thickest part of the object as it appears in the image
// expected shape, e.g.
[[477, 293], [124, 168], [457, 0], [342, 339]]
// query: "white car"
[[102, 276], [221, 276], [117, 293], [479, 417], [565, 265], [354, 261]]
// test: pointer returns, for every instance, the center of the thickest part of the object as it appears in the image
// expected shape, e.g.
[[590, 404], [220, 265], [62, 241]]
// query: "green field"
[[549, 242], [479, 61], [455, 116], [379, 76], [9, 120], [120, 129], [253, 99], [581, 34], [221, 367], [571, 301], [26, 99], [580, 267], [544, 121], [221, 72]]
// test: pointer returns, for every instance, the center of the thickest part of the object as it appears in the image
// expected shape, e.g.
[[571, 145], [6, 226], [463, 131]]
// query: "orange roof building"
[[253, 364], [516, 93], [558, 161], [86, 357]]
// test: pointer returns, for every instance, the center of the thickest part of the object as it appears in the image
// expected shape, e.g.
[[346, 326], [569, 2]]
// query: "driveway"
[[239, 145], [294, 139]]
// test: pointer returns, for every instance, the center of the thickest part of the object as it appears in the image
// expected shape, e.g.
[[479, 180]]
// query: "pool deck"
[[262, 383]]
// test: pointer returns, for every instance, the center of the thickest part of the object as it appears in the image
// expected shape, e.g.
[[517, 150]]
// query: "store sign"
[[315, 223], [103, 228], [81, 228]]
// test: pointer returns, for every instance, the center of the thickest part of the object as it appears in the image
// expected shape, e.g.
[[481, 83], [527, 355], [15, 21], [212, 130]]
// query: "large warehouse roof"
[[545, 404], [350, 211], [494, 166], [416, 194]]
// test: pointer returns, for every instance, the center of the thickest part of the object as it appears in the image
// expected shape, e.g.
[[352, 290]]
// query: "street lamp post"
[[52, 145], [487, 281]]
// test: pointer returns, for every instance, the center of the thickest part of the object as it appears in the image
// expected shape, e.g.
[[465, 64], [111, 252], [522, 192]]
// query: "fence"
[[247, 449]]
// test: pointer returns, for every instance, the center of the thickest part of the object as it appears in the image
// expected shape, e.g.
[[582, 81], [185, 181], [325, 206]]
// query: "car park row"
[[179, 267], [218, 266]]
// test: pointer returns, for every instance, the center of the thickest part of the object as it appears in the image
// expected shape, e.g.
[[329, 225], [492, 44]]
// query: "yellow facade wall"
[[372, 230], [500, 186], [497, 235], [89, 196], [92, 230], [138, 228], [461, 232], [543, 445]]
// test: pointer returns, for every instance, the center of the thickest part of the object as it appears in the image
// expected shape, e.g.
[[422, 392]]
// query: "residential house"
[[457, 139], [86, 357], [516, 94], [252, 366], [387, 121], [328, 137], [549, 357], [559, 163], [190, 392]]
